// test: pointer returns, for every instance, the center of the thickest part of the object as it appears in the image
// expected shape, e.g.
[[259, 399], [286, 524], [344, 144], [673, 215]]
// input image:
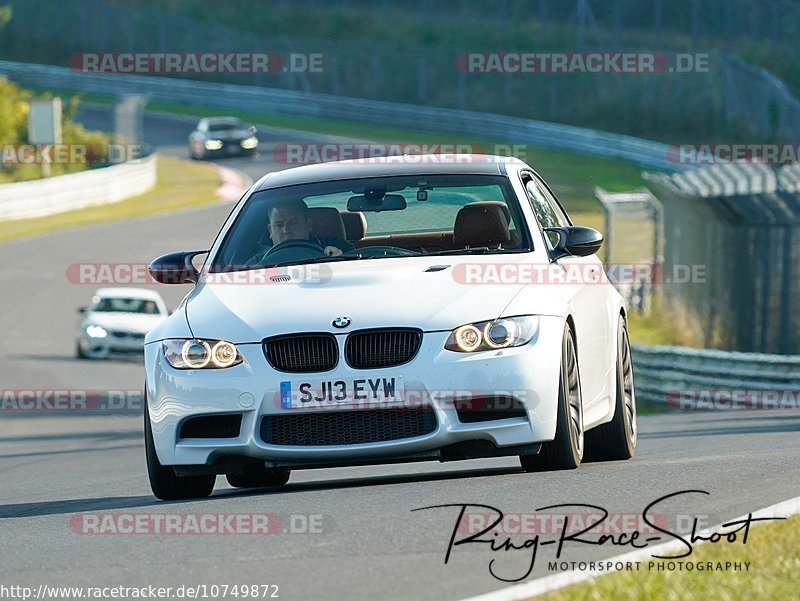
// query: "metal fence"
[[741, 225], [731, 98], [700, 378]]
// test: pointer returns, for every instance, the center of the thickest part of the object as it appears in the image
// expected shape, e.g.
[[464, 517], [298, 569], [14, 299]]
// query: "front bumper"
[[129, 343], [435, 378]]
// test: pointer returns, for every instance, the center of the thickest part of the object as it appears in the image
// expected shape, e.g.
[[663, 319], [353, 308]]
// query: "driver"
[[289, 220]]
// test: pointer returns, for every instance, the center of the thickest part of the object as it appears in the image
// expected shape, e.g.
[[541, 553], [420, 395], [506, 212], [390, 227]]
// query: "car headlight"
[[249, 143], [492, 335], [213, 144], [96, 331], [198, 353]]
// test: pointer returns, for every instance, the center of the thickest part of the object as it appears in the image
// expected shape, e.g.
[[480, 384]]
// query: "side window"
[[543, 209], [554, 206]]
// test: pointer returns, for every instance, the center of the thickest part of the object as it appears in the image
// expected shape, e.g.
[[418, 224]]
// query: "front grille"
[[337, 427], [125, 335], [302, 353], [371, 349]]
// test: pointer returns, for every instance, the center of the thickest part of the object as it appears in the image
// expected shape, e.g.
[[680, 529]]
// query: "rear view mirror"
[[388, 202]]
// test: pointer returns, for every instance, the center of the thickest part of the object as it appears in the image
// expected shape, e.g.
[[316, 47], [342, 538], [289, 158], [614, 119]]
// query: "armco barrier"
[[483, 126], [38, 198], [664, 372]]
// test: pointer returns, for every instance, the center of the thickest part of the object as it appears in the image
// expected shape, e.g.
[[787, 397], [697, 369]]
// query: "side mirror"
[[175, 268], [82, 310], [576, 241]]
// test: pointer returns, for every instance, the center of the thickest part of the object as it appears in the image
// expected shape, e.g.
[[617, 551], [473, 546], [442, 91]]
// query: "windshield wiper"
[[478, 250], [325, 259]]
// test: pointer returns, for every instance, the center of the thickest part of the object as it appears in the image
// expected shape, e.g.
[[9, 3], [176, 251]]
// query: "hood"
[[249, 306], [126, 322]]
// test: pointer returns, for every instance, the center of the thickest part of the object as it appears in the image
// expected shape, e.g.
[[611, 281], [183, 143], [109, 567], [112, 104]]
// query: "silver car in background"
[[117, 320]]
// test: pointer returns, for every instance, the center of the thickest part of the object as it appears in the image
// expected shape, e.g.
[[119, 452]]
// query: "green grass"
[[181, 184], [771, 549]]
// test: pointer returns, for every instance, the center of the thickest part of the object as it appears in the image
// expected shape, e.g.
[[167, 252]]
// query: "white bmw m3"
[[388, 310]]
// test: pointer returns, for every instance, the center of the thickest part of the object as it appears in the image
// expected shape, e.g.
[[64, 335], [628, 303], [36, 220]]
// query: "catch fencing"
[[741, 223]]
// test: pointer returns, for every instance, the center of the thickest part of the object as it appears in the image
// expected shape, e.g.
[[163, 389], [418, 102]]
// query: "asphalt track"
[[368, 543]]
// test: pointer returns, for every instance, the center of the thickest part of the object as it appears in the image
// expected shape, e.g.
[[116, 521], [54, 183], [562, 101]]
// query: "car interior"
[[477, 224]]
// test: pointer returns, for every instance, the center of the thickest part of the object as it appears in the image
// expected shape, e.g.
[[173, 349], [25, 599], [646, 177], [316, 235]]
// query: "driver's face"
[[287, 223]]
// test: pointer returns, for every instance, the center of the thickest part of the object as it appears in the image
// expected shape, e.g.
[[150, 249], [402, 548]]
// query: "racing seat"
[[355, 225], [326, 222], [481, 224]]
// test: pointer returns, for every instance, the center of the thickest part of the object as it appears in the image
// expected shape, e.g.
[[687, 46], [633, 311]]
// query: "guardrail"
[[511, 130], [42, 197], [713, 378]]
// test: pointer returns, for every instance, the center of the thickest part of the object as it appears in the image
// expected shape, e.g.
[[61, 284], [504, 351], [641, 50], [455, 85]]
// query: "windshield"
[[126, 305], [224, 125], [373, 218]]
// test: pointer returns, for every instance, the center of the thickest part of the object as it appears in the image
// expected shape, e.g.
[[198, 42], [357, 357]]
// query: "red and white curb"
[[548, 584], [234, 183]]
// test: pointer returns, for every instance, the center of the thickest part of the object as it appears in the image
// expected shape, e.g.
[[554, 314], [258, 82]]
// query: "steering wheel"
[[306, 244], [382, 251], [305, 248]]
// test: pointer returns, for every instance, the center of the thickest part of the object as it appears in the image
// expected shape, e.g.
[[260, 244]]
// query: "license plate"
[[297, 394]]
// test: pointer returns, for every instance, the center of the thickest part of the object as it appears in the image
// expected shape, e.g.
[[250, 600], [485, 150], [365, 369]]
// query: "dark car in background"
[[222, 137]]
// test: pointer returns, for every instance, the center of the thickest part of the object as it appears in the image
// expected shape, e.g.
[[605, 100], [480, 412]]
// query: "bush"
[[14, 109]]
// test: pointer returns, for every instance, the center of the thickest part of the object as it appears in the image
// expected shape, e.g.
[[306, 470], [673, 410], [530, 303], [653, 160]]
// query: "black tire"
[[79, 351], [616, 440], [256, 476], [565, 451], [164, 482]]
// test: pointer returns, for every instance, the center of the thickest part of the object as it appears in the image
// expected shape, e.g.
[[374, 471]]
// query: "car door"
[[582, 277]]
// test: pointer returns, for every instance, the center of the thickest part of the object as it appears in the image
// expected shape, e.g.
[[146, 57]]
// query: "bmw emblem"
[[341, 322]]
